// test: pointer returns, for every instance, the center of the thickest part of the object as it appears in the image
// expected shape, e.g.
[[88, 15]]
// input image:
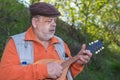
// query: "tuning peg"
[[99, 50], [102, 47], [96, 52], [96, 41], [91, 43]]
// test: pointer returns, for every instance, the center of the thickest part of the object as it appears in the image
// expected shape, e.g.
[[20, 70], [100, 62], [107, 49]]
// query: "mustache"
[[53, 28]]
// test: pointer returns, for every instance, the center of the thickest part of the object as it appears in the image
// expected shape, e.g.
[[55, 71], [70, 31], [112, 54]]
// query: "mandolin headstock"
[[96, 46]]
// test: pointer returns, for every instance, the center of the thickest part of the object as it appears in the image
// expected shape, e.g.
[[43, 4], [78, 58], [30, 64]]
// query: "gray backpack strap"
[[60, 48], [61, 52], [24, 49]]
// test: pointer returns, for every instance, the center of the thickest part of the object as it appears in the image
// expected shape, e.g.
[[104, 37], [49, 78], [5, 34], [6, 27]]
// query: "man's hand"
[[84, 55], [54, 70]]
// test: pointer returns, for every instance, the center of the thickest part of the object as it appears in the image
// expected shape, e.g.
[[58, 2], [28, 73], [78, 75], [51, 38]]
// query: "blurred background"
[[82, 21]]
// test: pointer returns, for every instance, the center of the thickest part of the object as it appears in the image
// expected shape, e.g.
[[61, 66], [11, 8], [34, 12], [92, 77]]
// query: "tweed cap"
[[43, 9]]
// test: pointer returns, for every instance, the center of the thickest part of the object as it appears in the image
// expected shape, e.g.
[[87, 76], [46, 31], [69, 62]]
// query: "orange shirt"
[[10, 68]]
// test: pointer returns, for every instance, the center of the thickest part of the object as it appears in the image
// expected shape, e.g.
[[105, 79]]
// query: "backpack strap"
[[60, 48], [24, 49], [61, 52]]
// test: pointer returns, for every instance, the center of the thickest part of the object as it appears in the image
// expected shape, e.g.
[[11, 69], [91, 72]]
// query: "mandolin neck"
[[94, 47], [68, 62]]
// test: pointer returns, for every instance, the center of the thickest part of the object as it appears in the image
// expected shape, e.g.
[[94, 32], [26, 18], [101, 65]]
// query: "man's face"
[[45, 27]]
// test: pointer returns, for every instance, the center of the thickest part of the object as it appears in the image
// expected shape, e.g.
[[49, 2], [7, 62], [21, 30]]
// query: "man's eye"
[[49, 21]]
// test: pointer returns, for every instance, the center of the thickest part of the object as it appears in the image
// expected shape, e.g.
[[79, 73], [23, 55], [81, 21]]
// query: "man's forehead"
[[47, 18]]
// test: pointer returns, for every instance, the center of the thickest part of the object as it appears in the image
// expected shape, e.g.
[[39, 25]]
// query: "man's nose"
[[53, 23]]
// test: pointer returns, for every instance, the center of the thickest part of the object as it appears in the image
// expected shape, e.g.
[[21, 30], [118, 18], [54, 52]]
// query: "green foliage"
[[14, 18]]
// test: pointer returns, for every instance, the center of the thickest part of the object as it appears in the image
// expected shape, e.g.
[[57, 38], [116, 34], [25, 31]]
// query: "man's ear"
[[34, 22]]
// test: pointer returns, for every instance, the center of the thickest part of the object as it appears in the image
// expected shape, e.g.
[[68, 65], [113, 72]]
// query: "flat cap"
[[43, 9]]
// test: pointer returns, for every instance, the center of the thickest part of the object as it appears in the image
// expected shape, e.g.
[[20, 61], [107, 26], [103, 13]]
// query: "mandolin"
[[94, 47]]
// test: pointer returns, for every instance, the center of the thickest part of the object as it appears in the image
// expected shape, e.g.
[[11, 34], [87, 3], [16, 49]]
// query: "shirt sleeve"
[[75, 68], [10, 68]]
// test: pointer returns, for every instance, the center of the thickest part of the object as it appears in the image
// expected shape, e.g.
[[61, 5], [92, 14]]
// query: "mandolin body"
[[45, 61]]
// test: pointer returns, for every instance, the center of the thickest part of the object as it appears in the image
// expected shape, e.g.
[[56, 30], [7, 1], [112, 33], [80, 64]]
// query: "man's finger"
[[83, 48]]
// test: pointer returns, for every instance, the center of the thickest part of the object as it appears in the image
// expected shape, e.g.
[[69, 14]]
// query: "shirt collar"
[[31, 36]]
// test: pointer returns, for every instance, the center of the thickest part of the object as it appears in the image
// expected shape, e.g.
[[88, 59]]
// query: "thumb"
[[83, 48]]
